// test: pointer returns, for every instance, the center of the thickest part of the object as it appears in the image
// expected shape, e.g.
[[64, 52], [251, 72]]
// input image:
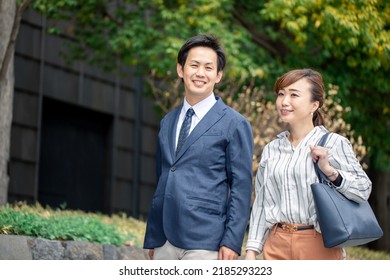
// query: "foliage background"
[[347, 41]]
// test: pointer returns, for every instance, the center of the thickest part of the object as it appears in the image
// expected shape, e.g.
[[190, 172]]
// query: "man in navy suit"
[[201, 205]]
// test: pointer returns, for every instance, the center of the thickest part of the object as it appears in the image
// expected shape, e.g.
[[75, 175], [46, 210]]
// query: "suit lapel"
[[215, 114], [172, 134]]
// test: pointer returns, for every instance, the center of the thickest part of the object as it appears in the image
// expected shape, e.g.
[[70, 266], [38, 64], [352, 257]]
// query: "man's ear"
[[219, 77], [179, 70]]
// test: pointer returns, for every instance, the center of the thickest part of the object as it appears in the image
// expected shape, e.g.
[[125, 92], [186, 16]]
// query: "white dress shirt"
[[201, 108], [283, 180]]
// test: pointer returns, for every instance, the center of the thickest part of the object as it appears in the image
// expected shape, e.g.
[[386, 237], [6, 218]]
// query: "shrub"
[[36, 221]]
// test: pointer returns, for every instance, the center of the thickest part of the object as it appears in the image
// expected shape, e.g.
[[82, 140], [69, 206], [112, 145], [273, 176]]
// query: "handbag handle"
[[321, 176]]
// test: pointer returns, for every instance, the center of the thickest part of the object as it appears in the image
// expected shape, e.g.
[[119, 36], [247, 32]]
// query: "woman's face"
[[294, 103]]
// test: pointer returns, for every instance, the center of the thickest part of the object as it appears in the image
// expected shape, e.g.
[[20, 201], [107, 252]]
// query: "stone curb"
[[15, 247]]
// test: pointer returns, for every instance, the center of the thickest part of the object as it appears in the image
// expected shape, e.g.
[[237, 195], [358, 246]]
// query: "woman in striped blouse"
[[283, 222]]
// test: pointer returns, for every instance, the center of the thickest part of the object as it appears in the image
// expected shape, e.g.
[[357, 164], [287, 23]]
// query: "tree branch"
[[277, 49]]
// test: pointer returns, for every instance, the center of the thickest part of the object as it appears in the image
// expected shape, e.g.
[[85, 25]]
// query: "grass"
[[361, 253], [62, 224], [118, 229]]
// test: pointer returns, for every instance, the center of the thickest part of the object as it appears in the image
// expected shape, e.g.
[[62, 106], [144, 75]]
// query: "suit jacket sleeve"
[[239, 169]]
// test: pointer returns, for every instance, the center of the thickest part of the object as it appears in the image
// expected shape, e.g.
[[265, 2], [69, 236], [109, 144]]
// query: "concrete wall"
[[42, 74]]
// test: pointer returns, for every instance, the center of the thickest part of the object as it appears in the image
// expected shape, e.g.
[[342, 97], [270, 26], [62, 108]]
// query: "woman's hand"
[[250, 255], [321, 156]]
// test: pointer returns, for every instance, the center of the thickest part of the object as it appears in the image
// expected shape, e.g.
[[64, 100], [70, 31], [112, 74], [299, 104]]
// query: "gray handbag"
[[343, 222]]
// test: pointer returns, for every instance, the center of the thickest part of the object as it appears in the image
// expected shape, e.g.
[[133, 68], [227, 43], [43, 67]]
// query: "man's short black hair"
[[203, 40]]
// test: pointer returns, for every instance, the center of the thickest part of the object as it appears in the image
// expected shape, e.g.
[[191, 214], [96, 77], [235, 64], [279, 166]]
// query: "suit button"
[[173, 169]]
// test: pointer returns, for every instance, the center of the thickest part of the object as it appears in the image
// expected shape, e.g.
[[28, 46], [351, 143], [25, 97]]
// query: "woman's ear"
[[316, 105]]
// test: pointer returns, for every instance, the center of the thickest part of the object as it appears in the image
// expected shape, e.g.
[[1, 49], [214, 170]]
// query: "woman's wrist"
[[332, 175], [250, 254]]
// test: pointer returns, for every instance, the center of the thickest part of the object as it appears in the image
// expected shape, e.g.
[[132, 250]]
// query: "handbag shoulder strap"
[[323, 139], [321, 176]]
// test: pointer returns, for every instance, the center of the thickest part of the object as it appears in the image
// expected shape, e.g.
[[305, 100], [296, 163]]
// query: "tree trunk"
[[10, 17], [7, 16]]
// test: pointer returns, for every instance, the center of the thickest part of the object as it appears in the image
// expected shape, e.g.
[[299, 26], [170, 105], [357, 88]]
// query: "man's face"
[[199, 74]]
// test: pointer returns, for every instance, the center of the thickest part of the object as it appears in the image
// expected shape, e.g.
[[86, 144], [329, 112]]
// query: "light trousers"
[[298, 245], [170, 252]]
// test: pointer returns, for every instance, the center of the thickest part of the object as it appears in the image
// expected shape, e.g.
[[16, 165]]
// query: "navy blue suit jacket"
[[203, 194]]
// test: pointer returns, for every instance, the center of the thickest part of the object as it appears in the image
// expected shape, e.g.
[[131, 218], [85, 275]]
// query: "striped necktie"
[[185, 128]]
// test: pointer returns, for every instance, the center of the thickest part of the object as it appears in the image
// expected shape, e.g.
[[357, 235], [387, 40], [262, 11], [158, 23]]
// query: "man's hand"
[[151, 253], [227, 254]]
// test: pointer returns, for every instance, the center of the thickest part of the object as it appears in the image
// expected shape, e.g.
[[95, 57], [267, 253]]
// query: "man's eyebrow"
[[196, 61]]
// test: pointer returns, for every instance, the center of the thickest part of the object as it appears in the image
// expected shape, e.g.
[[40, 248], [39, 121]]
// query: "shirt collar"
[[286, 133], [201, 108]]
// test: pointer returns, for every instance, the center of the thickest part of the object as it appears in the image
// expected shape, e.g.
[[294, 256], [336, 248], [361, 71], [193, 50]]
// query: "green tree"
[[348, 41]]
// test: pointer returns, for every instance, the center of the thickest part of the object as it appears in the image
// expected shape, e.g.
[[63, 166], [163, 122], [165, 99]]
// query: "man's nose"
[[200, 71]]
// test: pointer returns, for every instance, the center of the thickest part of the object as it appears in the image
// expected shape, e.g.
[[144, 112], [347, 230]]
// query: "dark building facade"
[[81, 138]]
